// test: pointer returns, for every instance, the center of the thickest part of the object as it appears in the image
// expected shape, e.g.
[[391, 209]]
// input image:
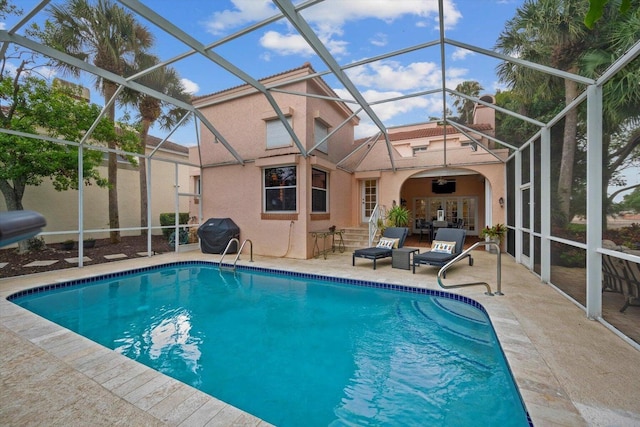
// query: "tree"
[[615, 35], [109, 37], [150, 109], [631, 201], [29, 105], [611, 38], [463, 105], [548, 32], [596, 10]]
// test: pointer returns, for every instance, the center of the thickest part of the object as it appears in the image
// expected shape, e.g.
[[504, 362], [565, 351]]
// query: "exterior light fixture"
[[501, 201]]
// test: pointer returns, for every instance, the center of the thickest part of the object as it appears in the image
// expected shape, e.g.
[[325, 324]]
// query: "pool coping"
[[89, 357]]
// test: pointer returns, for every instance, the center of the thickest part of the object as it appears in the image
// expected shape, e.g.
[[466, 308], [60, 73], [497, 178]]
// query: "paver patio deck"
[[571, 371]]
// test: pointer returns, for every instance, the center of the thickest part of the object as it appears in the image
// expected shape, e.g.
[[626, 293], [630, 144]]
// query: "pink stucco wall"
[[236, 191]]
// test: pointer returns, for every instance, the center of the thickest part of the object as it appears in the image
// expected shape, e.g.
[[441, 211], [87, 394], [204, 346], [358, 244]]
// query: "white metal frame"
[[291, 13]]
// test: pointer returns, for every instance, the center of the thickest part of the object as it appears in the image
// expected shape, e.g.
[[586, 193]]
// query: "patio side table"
[[323, 235], [401, 257]]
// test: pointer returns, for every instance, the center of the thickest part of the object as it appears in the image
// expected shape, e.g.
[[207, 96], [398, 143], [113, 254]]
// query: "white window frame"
[[320, 131], [316, 189], [267, 191]]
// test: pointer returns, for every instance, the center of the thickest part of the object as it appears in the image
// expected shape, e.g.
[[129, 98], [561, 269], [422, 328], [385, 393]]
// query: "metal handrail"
[[239, 252], [463, 255], [373, 223]]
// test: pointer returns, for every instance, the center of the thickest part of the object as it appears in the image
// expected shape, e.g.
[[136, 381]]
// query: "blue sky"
[[352, 30]]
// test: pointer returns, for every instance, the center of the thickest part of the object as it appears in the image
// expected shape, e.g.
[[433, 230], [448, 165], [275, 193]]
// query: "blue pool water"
[[297, 350]]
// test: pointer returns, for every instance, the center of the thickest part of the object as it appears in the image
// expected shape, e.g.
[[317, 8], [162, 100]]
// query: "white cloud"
[[379, 39], [40, 71], [499, 86], [289, 44], [245, 11], [455, 76], [336, 12], [190, 86], [265, 56], [365, 129], [47, 72], [328, 19], [392, 75], [3, 25], [460, 54], [422, 106]]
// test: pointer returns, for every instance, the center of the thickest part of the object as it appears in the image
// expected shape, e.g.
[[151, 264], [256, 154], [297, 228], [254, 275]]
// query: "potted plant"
[[89, 242], [67, 245], [398, 216], [495, 233]]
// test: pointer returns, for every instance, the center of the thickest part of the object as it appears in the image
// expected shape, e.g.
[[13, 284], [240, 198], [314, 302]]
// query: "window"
[[320, 132], [472, 144], [419, 149], [280, 189], [277, 135], [196, 189], [319, 191]]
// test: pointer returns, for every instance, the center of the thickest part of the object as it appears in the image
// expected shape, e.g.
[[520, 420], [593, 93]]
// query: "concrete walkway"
[[571, 371]]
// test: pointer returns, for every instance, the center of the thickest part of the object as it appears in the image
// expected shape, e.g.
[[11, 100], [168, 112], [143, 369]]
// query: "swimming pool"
[[299, 349]]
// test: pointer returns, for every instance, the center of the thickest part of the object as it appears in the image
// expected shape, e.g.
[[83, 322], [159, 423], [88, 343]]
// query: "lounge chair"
[[448, 244], [613, 274], [623, 276], [381, 250], [631, 286]]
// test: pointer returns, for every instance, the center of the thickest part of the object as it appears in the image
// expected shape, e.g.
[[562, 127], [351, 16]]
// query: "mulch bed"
[[129, 245]]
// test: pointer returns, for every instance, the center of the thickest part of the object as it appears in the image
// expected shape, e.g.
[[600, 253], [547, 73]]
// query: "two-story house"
[[277, 195]]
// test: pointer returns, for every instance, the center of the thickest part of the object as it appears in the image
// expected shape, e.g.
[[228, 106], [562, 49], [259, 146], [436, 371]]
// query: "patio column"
[[594, 201], [518, 206], [545, 204]]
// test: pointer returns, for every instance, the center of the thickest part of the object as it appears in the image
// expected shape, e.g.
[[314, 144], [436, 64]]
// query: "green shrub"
[[398, 216], [168, 219], [36, 244]]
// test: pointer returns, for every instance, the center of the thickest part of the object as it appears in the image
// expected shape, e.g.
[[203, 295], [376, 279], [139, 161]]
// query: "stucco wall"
[[396, 185], [61, 208], [236, 191]]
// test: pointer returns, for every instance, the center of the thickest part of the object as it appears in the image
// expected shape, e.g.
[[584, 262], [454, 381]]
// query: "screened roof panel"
[[387, 74]]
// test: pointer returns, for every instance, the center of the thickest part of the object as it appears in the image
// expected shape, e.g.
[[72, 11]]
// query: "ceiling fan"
[[442, 181]]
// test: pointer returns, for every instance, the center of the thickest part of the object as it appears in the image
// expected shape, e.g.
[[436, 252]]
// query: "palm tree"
[[109, 37], [150, 109], [463, 105], [548, 32], [617, 33]]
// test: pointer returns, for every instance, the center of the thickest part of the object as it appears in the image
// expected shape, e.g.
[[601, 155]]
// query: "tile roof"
[[428, 132], [153, 141], [303, 66]]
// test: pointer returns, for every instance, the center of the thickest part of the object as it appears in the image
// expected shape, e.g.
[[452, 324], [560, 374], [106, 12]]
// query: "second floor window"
[[319, 191], [277, 135], [280, 189], [320, 132]]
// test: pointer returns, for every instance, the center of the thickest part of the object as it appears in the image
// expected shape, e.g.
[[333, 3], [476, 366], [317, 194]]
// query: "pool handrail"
[[239, 252], [463, 254]]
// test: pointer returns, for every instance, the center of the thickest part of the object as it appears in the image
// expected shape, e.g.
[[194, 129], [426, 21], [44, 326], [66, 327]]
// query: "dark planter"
[[67, 246], [88, 244]]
